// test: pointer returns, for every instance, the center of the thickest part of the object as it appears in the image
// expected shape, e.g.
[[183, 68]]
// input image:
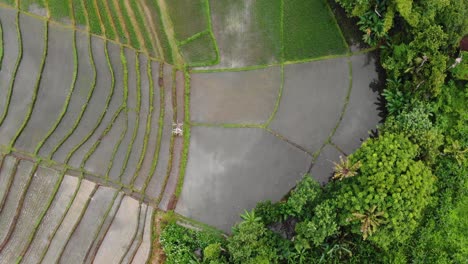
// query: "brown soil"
[[464, 43], [158, 253]]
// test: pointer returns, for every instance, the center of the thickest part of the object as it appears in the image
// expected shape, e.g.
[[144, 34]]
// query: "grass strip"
[[118, 21], [83, 108], [59, 9], [67, 100], [278, 100], [210, 28], [79, 13], [107, 23], [115, 115], [11, 228], [101, 117], [192, 38], [15, 71], [123, 59], [185, 151], [167, 52], [345, 105], [36, 87], [41, 217], [157, 150], [133, 39], [135, 129], [148, 122]]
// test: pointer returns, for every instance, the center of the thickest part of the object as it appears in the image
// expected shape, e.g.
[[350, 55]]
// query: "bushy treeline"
[[402, 197]]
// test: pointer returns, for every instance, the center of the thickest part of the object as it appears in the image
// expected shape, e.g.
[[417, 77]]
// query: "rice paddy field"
[[92, 91]]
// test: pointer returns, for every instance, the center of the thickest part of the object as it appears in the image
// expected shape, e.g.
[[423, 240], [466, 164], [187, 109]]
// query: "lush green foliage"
[[415, 122], [460, 69], [180, 245], [310, 30], [390, 180]]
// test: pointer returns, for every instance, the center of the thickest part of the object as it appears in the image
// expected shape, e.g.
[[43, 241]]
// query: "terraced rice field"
[[48, 216], [75, 104], [90, 92], [121, 21]]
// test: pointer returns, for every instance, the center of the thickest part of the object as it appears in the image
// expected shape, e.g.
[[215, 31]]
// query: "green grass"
[[128, 22], [106, 19], [188, 17], [79, 12], [310, 30], [93, 17], [59, 9], [118, 26], [200, 51]]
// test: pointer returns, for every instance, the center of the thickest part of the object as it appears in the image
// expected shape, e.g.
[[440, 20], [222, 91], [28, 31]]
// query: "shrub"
[[323, 224], [180, 243], [252, 243], [415, 123], [390, 181]]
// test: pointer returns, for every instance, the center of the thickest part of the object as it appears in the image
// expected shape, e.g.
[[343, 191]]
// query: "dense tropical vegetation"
[[402, 197]]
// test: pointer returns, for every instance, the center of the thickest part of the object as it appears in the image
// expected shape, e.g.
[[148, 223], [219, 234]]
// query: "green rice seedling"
[[310, 30], [142, 26], [79, 12], [59, 9], [120, 30], [106, 18], [134, 42], [200, 51], [166, 47], [94, 21], [192, 20], [26, 5]]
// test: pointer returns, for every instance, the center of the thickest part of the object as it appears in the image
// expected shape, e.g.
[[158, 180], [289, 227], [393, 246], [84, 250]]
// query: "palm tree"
[[249, 217], [345, 169], [370, 221]]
